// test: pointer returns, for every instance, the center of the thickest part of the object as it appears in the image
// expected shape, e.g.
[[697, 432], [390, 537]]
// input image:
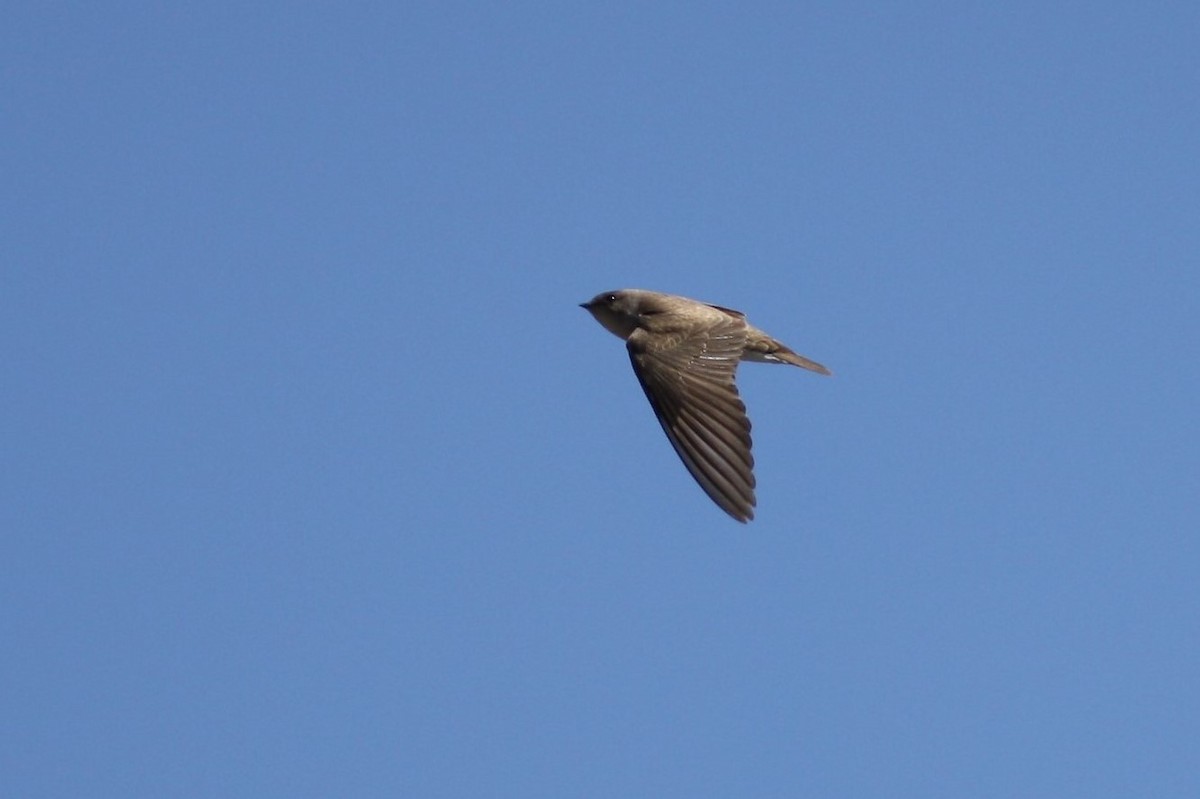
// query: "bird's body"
[[685, 354]]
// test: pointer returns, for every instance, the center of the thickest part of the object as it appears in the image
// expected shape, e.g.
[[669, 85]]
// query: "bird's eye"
[[611, 298]]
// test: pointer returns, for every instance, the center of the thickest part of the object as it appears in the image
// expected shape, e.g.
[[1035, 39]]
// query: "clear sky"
[[317, 482]]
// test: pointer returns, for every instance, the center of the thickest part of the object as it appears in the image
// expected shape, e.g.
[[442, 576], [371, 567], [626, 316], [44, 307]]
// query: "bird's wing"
[[688, 376]]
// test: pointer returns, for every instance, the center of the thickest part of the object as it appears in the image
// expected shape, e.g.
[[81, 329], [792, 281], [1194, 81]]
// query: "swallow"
[[685, 354]]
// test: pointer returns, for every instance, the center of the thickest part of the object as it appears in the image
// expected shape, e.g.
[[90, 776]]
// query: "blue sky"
[[319, 483]]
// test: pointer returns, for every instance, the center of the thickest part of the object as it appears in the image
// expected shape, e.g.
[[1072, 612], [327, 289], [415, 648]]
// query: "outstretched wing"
[[688, 376]]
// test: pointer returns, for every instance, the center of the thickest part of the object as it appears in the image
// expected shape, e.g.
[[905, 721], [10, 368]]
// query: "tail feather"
[[795, 359], [762, 347]]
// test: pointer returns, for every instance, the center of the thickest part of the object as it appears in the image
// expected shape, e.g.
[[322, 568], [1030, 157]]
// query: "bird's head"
[[618, 311]]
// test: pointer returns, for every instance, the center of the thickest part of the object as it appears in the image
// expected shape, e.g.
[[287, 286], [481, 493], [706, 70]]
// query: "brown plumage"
[[685, 354]]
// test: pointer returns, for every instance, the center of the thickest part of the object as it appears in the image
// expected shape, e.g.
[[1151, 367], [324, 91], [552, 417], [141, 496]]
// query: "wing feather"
[[688, 377]]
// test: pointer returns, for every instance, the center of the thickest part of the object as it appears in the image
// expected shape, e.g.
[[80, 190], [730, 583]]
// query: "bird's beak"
[[586, 306]]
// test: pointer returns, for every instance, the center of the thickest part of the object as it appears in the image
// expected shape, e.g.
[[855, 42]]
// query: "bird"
[[685, 354]]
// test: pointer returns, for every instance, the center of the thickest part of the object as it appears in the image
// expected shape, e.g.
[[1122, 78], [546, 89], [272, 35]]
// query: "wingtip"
[[739, 515]]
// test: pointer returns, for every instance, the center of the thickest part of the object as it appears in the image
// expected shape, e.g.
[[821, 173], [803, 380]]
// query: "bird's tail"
[[795, 359], [766, 349]]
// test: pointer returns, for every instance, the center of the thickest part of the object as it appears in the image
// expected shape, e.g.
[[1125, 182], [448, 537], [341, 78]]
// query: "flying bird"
[[685, 354]]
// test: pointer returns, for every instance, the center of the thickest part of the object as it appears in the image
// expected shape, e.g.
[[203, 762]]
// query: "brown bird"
[[685, 354]]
